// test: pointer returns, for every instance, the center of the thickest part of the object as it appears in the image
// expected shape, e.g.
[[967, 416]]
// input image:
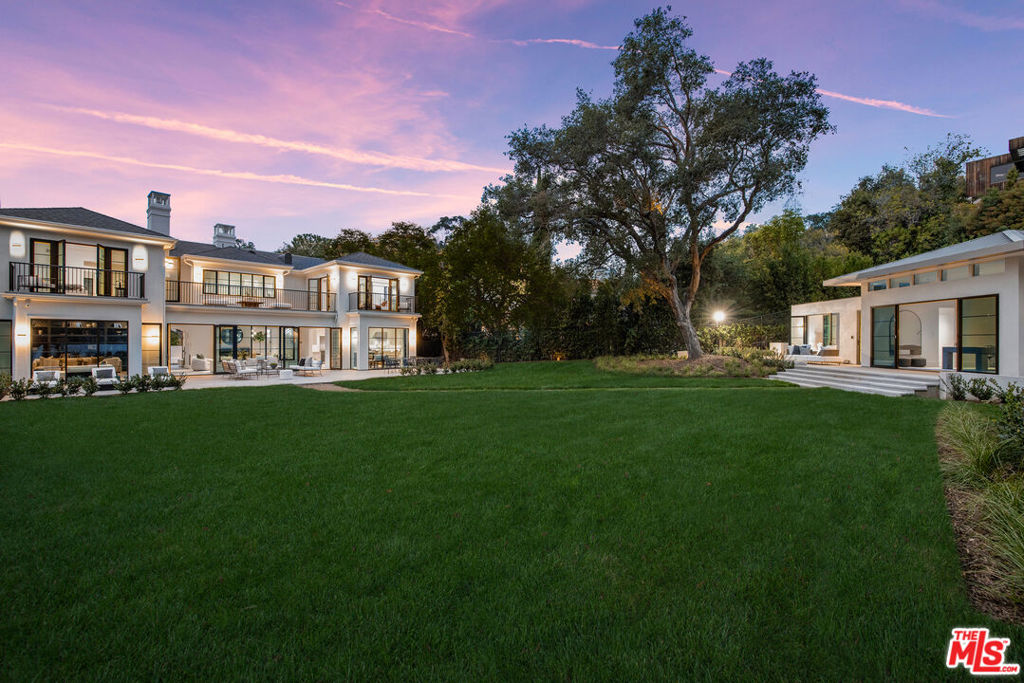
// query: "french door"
[[112, 271], [230, 342]]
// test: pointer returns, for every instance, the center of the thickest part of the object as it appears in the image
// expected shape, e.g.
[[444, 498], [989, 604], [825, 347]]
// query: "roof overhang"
[[200, 258], [379, 269], [47, 226], [899, 267]]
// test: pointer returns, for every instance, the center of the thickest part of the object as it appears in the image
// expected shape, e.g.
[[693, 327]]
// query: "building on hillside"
[[955, 309], [85, 289], [990, 172]]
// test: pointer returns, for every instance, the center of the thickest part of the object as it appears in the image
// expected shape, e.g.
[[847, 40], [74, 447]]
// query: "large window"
[[798, 330], [830, 329], [979, 334], [78, 346], [378, 293], [353, 338], [5, 347], [319, 294], [239, 284], [386, 342], [151, 347]]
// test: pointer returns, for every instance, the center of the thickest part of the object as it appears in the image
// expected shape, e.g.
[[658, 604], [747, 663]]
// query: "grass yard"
[[613, 532]]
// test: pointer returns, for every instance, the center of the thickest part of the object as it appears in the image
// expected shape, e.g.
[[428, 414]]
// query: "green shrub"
[[981, 388], [955, 386], [20, 389], [44, 389], [90, 386], [124, 385], [974, 443], [1005, 394], [430, 368], [176, 382], [1002, 513], [5, 386], [69, 386], [142, 383]]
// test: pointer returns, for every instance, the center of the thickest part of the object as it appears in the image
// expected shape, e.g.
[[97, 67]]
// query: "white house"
[[955, 309], [85, 289]]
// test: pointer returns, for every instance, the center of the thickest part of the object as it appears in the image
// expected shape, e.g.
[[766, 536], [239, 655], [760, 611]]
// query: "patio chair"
[[46, 378], [159, 371], [392, 364], [239, 371], [105, 376]]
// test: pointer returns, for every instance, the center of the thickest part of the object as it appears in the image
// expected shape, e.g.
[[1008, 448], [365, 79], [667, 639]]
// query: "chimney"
[[158, 214], [288, 258], [223, 235]]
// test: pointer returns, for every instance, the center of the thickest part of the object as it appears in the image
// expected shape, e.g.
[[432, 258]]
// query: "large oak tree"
[[658, 174]]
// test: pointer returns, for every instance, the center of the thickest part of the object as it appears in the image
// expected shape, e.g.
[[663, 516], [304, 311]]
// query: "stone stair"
[[863, 380]]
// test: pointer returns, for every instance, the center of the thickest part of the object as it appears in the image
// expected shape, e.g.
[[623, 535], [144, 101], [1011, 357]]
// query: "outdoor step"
[[844, 386], [876, 379], [856, 371]]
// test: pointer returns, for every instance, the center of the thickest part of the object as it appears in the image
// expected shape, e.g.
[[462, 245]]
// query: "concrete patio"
[[220, 381]]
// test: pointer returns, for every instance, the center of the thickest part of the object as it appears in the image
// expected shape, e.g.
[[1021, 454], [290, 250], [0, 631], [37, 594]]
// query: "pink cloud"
[[285, 178], [869, 101], [226, 135]]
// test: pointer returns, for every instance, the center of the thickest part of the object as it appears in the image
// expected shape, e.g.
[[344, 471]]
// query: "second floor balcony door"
[[112, 271], [47, 262]]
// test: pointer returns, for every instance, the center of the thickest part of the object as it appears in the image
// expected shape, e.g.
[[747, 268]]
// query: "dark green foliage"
[[89, 385], [142, 383], [70, 386], [20, 388], [741, 335], [981, 388], [43, 389], [5, 386], [956, 386], [124, 384]]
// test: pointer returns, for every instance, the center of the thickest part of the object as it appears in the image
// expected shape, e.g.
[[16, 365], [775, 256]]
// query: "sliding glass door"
[[979, 334]]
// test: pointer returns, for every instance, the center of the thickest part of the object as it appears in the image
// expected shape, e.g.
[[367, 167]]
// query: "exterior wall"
[[144, 256], [1008, 285], [848, 310]]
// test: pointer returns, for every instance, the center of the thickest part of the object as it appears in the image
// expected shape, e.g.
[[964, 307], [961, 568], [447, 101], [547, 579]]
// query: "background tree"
[[669, 166]]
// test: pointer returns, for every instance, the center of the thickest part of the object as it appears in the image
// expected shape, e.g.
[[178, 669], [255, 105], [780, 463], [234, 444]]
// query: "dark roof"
[[76, 215], [361, 257], [271, 258]]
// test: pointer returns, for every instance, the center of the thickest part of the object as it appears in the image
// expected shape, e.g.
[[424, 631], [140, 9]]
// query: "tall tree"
[[669, 166]]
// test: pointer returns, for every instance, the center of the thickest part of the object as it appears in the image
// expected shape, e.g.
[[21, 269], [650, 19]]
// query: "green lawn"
[[279, 532]]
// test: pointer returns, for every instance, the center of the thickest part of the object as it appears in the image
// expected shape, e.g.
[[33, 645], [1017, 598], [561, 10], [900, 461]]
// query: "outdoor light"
[[718, 317], [140, 258], [17, 244]]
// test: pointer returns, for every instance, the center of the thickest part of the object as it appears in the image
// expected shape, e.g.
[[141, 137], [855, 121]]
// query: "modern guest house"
[[955, 309], [84, 289]]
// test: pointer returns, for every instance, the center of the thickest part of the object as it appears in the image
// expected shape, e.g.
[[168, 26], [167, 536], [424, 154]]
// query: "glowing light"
[[140, 258], [718, 317], [17, 244]]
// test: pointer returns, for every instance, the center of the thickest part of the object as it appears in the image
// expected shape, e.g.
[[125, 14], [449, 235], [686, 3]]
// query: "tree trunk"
[[681, 311]]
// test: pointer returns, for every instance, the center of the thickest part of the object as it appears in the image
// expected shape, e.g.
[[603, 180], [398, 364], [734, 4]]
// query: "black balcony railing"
[[73, 280], [392, 303], [244, 296]]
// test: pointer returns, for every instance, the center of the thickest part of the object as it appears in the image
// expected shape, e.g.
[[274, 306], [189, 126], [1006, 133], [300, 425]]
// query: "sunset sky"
[[284, 118]]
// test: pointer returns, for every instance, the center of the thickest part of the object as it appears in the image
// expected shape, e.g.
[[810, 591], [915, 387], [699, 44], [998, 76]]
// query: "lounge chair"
[[105, 376], [46, 378], [239, 371], [159, 371], [308, 366]]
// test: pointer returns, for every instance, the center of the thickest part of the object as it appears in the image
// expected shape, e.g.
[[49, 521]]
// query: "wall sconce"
[[403, 285], [352, 279], [140, 258], [17, 243], [21, 333], [168, 264]]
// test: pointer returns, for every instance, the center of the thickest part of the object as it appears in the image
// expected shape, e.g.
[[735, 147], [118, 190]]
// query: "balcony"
[[242, 296], [385, 303], [30, 278]]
